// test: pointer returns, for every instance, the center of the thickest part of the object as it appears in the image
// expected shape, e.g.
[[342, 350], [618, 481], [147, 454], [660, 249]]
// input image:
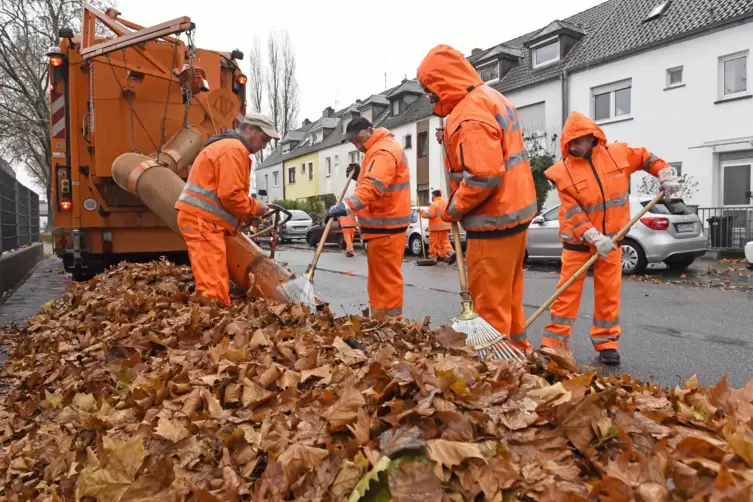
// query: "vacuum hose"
[[158, 186]]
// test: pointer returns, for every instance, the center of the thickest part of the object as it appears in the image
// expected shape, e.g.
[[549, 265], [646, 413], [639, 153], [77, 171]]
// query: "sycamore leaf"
[[348, 355], [299, 457], [451, 453], [171, 430], [108, 482], [346, 479], [345, 410], [84, 402], [254, 394], [55, 399]]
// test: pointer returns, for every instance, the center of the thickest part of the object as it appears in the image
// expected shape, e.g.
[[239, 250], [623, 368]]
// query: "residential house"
[[269, 174]]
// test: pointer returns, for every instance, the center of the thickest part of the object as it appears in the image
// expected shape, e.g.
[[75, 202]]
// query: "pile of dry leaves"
[[129, 389]]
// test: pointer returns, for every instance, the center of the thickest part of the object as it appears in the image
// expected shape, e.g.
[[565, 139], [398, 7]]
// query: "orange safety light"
[[56, 56], [56, 61], [65, 205], [242, 79]]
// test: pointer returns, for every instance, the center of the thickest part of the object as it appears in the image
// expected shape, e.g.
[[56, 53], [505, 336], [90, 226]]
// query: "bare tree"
[[274, 79], [28, 28], [256, 84], [289, 85]]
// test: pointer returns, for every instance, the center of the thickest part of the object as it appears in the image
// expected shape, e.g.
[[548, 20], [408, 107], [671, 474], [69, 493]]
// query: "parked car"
[[297, 228], [413, 235], [335, 236], [749, 254], [669, 233]]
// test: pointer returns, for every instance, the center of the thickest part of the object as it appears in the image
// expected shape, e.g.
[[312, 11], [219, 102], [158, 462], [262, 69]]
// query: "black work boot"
[[610, 357], [452, 259]]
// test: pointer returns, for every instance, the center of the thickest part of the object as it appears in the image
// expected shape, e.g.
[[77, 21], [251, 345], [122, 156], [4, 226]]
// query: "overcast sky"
[[344, 48]]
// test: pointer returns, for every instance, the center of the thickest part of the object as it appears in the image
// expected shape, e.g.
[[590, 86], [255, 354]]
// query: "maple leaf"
[[298, 457], [347, 354], [109, 482], [362, 429], [171, 430], [451, 453], [345, 410], [449, 338], [254, 394]]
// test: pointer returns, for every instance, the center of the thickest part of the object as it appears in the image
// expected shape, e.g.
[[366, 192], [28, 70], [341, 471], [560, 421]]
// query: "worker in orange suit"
[[492, 190], [348, 226], [215, 202], [439, 230], [382, 203], [593, 180]]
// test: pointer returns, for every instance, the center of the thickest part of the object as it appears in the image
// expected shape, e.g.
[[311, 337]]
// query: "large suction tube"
[[159, 188]]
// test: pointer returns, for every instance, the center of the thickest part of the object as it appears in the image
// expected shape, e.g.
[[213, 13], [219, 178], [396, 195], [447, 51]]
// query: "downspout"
[[563, 80]]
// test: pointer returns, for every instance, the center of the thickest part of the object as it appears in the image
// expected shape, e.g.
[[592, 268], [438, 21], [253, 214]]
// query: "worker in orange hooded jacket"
[[348, 226], [439, 230], [593, 181], [215, 202], [493, 194], [382, 203]]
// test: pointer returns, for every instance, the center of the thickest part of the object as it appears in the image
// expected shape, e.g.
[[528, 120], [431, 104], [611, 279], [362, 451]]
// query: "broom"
[[301, 289], [479, 333], [582, 270], [424, 262]]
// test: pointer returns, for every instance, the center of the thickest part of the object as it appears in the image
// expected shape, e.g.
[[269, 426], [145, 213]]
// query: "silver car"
[[669, 233], [413, 235], [297, 227]]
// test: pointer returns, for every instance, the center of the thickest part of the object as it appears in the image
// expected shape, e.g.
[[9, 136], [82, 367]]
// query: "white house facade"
[[269, 178]]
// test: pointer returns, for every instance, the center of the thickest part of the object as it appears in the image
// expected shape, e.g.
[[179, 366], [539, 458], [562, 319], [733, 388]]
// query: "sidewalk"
[[46, 282]]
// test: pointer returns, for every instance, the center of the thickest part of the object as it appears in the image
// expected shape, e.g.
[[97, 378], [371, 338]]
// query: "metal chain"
[[167, 103], [130, 103], [189, 91], [91, 96]]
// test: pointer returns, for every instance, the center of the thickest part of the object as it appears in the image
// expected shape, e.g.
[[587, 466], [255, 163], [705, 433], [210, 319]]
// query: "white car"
[[749, 254]]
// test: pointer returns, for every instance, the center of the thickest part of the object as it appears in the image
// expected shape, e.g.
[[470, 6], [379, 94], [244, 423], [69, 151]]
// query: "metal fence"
[[726, 228], [19, 214]]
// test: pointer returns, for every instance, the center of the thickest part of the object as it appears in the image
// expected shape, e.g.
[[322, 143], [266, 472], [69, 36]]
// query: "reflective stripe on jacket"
[[347, 221], [594, 192], [491, 179], [434, 215], [382, 198], [219, 181]]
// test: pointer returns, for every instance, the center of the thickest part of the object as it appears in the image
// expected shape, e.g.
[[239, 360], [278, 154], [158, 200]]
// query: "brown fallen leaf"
[[414, 481], [401, 439], [109, 482], [345, 410], [451, 453], [254, 394], [298, 457], [171, 430], [346, 479], [347, 354]]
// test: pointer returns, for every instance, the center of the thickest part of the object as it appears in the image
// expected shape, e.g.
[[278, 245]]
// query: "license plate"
[[685, 227]]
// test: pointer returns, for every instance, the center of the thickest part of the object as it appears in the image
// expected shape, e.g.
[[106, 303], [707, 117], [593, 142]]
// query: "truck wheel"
[[79, 274]]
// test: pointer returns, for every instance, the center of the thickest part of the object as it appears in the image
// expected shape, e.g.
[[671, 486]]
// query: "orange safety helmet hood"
[[577, 126], [446, 73]]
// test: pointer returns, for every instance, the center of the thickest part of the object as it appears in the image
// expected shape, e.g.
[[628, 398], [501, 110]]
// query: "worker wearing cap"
[[215, 202], [382, 203], [593, 181], [492, 190], [348, 226], [439, 230]]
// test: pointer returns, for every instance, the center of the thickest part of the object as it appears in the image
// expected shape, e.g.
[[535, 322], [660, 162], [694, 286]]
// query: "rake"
[[479, 334], [424, 262], [301, 289]]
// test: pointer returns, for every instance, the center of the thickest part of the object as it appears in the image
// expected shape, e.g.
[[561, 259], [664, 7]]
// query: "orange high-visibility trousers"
[[439, 244], [385, 281], [605, 330], [348, 235], [206, 249], [495, 278]]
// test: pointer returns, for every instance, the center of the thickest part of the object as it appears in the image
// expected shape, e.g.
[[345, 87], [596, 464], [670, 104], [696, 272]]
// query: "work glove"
[[353, 167], [440, 135], [668, 183], [603, 244], [336, 211]]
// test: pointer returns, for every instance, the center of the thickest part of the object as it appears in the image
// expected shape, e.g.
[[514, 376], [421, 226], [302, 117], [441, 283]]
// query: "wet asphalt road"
[[670, 332]]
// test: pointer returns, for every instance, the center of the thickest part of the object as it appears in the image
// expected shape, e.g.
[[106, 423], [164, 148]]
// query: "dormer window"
[[396, 107], [546, 52], [285, 148], [489, 72]]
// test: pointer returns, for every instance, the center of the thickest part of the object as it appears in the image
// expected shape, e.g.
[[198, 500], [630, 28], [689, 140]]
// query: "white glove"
[[603, 244], [668, 182]]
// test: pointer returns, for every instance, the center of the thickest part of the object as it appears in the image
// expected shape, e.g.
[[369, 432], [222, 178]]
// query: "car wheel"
[[365, 246], [633, 258], [415, 246], [311, 241], [341, 241], [525, 258], [679, 263]]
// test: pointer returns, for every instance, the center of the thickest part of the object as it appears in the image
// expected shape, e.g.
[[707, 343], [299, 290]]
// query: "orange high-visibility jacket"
[[434, 214], [347, 221], [594, 192], [382, 199], [219, 181], [493, 190]]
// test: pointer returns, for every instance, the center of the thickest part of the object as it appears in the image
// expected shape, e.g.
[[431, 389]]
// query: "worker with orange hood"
[[348, 226], [382, 203], [439, 230], [492, 190], [215, 202], [593, 181]]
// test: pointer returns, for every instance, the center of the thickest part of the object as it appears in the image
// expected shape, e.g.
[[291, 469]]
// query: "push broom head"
[[483, 337], [299, 290]]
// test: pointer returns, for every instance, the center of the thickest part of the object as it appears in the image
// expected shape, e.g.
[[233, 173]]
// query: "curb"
[[15, 265]]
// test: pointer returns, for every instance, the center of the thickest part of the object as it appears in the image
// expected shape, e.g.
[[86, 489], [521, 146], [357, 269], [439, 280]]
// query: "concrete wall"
[[672, 123], [267, 173], [16, 264]]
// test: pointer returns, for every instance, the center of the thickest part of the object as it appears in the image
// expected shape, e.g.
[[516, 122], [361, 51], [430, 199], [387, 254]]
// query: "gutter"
[[565, 96]]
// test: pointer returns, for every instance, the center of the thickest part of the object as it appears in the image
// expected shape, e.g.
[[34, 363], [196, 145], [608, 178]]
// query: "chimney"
[[475, 51], [404, 80], [358, 101], [306, 122], [328, 112]]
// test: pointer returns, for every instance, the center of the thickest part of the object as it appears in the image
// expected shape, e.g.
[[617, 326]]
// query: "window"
[[328, 164], [677, 167], [266, 182], [674, 77], [337, 160], [414, 216], [733, 74], [407, 141], [285, 148], [489, 72], [291, 175], [612, 101], [354, 157], [737, 184], [423, 197], [546, 54], [532, 119], [551, 215], [657, 11], [276, 178], [311, 171], [396, 107], [423, 144], [303, 168]]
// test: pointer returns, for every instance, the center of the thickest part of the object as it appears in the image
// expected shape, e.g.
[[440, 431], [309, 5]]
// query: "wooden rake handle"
[[582, 270], [311, 268]]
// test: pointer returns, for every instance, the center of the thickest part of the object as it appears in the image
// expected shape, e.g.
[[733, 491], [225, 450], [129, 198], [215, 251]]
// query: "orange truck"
[[131, 107]]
